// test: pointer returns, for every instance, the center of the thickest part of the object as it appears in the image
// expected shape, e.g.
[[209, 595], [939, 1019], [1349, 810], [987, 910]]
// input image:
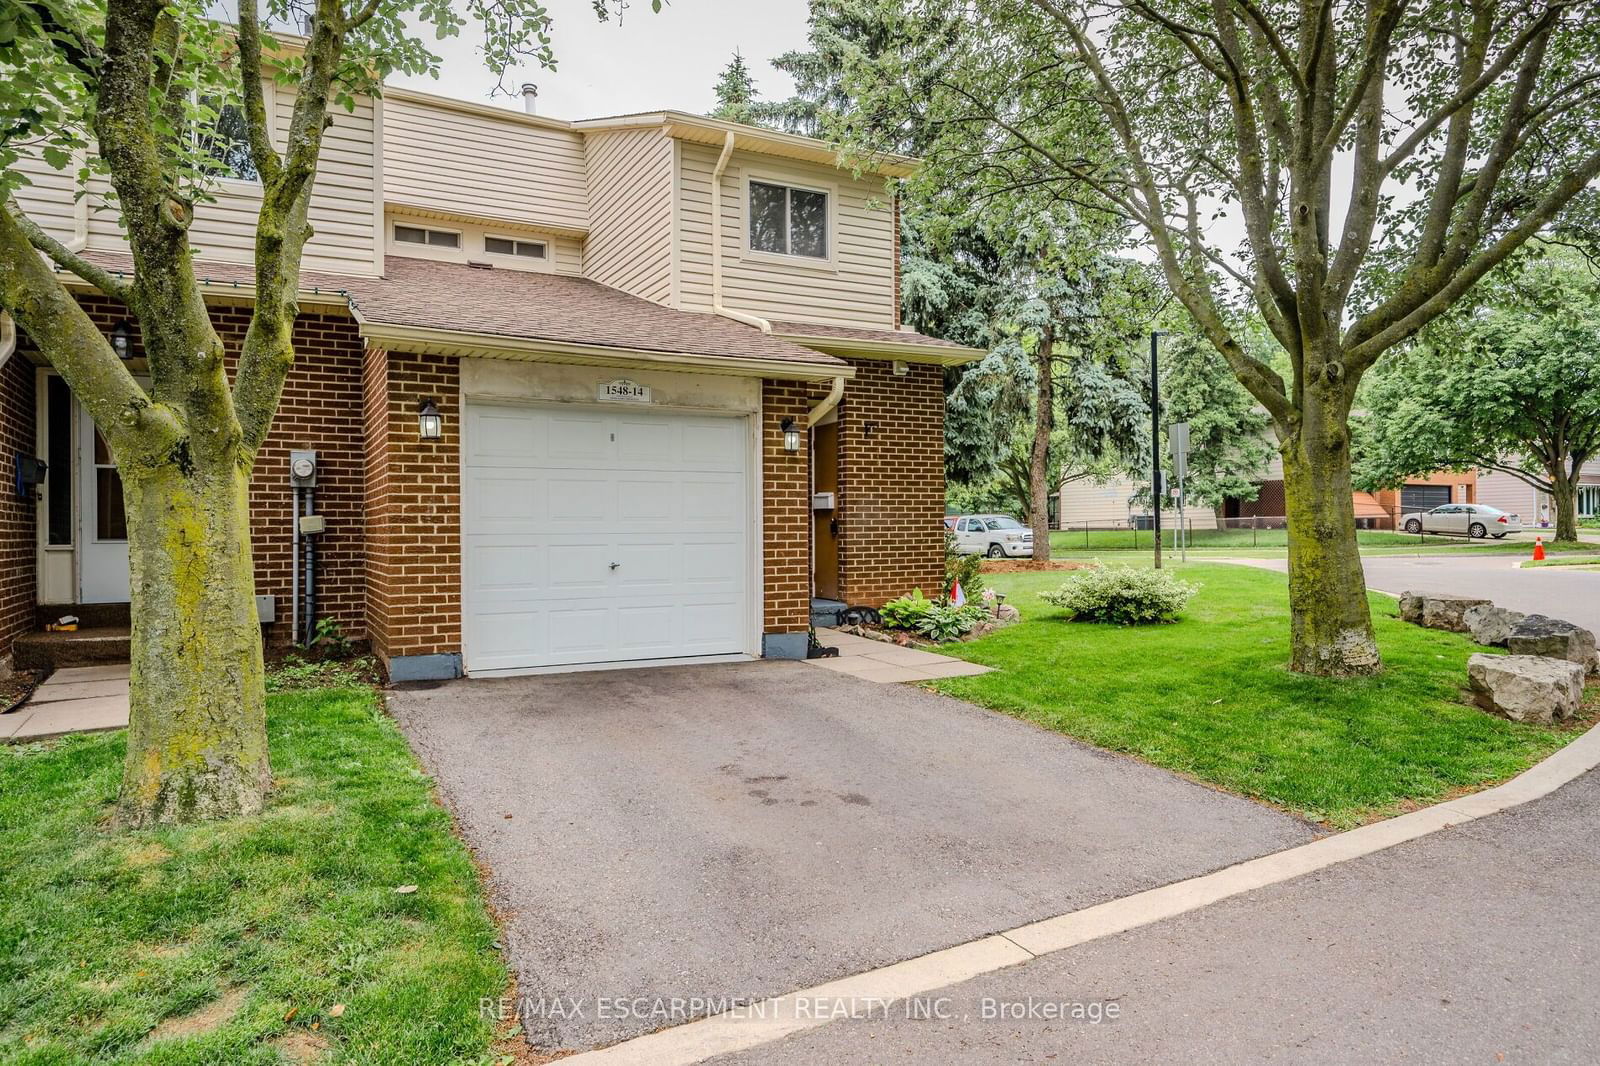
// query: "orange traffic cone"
[[1538, 548]]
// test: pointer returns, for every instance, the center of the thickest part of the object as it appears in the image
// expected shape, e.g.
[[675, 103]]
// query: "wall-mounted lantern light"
[[430, 424], [791, 436], [122, 339]]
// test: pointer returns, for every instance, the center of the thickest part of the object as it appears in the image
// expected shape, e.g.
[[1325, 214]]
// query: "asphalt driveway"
[[708, 833]]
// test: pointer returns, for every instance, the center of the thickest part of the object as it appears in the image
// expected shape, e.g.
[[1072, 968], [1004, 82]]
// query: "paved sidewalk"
[[82, 699], [876, 660]]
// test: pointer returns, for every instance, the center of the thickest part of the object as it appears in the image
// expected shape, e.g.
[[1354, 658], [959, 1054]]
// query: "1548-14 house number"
[[622, 391]]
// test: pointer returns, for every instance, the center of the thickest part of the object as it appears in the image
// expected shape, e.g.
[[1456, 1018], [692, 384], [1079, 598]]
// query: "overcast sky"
[[647, 63]]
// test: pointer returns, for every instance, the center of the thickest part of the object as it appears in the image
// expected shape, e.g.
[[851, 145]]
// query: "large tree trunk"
[[197, 740], [1331, 626], [1039, 459], [1564, 495]]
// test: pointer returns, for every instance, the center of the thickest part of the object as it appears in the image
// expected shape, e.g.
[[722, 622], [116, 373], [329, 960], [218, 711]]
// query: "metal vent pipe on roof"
[[530, 98]]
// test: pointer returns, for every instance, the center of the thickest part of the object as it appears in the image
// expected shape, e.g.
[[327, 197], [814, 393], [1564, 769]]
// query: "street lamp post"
[[1155, 438]]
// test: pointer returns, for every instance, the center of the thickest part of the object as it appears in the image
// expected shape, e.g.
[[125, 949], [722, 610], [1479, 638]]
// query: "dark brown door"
[[825, 441]]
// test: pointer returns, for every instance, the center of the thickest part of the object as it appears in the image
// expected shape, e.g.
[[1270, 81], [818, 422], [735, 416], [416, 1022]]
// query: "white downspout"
[[716, 245], [8, 337], [826, 404]]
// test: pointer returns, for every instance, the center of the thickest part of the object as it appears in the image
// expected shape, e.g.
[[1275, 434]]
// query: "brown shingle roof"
[[550, 307], [853, 333], [522, 305]]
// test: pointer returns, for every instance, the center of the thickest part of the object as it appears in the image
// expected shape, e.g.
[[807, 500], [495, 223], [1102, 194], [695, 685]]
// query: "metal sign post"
[[1178, 440]]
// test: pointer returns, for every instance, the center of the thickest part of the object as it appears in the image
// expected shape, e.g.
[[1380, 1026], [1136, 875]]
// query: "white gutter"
[[716, 245], [826, 404]]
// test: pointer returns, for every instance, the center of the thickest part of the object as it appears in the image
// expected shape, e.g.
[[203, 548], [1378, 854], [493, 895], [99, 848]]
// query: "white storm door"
[[596, 534], [103, 525]]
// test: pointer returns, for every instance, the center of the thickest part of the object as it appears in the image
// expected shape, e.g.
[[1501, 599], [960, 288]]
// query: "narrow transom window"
[[788, 221], [437, 238], [508, 246]]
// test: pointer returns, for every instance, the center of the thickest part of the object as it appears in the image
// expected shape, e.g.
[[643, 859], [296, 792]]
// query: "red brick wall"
[[320, 411], [891, 482], [413, 506], [785, 511], [19, 531]]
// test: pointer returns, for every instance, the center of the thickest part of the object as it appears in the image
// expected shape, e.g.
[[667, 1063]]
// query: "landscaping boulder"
[[1490, 624], [1411, 607], [1553, 638], [1449, 612], [1526, 688], [1007, 613]]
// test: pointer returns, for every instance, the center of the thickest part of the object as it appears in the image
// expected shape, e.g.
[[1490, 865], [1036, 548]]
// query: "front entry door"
[[825, 524], [103, 524]]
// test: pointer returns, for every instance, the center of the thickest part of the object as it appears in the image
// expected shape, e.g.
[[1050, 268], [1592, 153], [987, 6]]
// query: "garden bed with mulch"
[[16, 687], [1017, 566]]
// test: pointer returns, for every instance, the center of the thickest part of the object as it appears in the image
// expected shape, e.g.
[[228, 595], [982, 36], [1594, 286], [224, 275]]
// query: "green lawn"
[[1069, 544], [1210, 696], [244, 936]]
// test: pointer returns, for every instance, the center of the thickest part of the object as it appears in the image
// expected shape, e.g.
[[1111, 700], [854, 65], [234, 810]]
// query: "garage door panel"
[[496, 501], [663, 495]]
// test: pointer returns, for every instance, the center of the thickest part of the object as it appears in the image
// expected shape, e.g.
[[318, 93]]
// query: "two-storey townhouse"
[[612, 391]]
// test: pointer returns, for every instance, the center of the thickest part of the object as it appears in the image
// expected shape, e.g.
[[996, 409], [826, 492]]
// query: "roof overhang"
[[446, 215], [902, 351], [700, 129], [426, 341], [224, 290]]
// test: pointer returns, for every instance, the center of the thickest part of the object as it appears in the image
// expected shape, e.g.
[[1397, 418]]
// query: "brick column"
[[891, 482], [413, 515], [785, 524], [19, 532]]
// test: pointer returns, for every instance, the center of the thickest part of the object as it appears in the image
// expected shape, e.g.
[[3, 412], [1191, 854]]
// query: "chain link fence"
[[1259, 531]]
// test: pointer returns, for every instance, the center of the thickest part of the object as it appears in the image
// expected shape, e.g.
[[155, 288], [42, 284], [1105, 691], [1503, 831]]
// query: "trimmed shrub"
[[967, 569], [1123, 595]]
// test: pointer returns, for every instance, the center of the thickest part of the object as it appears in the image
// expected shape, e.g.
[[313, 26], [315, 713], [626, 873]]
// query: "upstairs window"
[[228, 141], [509, 246], [788, 221], [433, 238]]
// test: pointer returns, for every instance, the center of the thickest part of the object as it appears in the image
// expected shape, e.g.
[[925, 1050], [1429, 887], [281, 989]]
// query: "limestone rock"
[[1411, 607], [1553, 638], [1490, 624], [1526, 688], [1008, 613], [1449, 612]]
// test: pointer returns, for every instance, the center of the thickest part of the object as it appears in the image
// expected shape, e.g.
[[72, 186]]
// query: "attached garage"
[[600, 533], [1423, 497]]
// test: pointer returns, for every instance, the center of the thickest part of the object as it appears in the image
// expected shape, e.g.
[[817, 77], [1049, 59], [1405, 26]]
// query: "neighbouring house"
[[1121, 503], [1510, 493], [674, 399]]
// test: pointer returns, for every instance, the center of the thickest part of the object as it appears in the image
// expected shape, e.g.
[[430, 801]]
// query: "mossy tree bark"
[[1039, 458], [197, 746], [1564, 495]]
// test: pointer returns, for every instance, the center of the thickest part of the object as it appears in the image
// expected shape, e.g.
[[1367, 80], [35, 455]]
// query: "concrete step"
[[89, 615], [86, 647]]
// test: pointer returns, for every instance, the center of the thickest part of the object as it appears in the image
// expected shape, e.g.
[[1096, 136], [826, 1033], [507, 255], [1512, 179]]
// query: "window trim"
[[828, 263], [394, 237], [542, 242]]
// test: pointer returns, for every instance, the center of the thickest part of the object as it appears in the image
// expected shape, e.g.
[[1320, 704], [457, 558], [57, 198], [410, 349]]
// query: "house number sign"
[[622, 391]]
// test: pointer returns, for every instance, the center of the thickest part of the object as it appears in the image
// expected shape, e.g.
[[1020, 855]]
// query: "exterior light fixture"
[[430, 424], [122, 339], [791, 436]]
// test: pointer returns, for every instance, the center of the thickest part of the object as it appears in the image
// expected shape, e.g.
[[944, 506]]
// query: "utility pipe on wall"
[[716, 245]]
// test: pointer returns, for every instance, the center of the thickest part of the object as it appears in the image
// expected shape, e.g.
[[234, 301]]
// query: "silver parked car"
[[996, 535], [1466, 519]]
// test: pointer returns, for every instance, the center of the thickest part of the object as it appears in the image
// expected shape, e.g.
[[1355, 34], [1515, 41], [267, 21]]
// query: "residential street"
[[1474, 944], [1558, 591], [747, 829]]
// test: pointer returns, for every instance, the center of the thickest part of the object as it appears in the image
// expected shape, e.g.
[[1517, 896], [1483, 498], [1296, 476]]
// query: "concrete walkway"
[[875, 660], [82, 699]]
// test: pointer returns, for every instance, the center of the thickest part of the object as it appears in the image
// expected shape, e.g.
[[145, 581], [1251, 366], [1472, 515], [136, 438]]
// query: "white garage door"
[[602, 534]]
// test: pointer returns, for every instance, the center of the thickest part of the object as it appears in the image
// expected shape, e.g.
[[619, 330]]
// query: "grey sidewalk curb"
[[809, 1008]]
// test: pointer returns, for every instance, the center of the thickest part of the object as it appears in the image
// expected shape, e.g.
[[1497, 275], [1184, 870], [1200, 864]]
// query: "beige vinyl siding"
[[344, 206], [629, 246], [467, 163], [856, 289], [48, 199], [1103, 504]]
